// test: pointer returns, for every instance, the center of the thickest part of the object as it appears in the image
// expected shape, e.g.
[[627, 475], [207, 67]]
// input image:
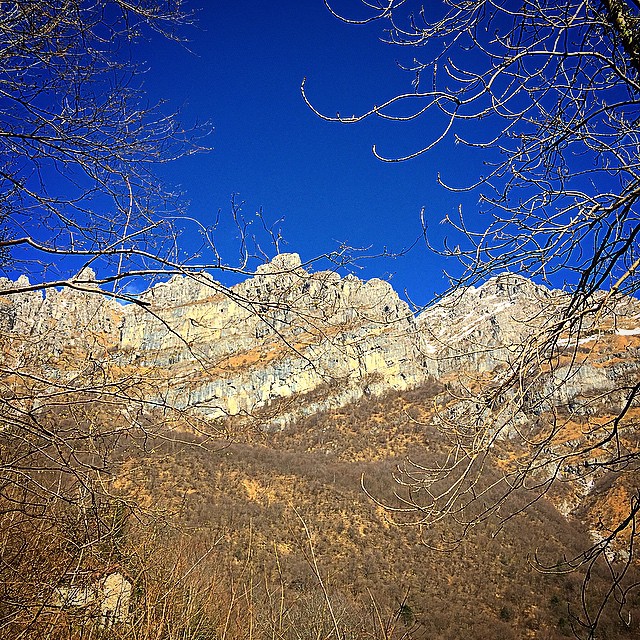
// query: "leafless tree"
[[548, 94], [79, 141], [81, 146], [82, 213], [79, 149]]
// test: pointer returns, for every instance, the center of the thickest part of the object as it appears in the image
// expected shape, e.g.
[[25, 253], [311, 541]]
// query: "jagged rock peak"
[[23, 281], [181, 289], [186, 289], [6, 284], [86, 274], [510, 285], [281, 263]]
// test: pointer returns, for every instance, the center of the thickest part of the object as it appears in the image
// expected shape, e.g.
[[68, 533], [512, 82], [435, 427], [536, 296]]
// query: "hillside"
[[212, 444]]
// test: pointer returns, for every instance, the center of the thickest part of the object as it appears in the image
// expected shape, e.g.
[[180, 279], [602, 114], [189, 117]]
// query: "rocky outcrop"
[[482, 328], [282, 333], [68, 312]]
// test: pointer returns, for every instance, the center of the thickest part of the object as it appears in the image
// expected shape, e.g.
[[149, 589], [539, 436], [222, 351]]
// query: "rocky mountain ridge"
[[340, 377], [281, 334]]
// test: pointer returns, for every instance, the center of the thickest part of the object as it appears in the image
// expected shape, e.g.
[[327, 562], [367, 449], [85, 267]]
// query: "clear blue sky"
[[243, 70]]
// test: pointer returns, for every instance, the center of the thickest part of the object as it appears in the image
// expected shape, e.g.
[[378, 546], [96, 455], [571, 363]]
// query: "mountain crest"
[[281, 333]]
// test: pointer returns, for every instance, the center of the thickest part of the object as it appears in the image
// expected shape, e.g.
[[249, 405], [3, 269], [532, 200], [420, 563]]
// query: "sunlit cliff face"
[[285, 332]]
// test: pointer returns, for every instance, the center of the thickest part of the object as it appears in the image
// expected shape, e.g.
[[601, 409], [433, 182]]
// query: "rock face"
[[282, 333], [482, 327], [75, 315]]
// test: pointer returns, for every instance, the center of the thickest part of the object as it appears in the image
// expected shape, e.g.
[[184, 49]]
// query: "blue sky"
[[242, 71]]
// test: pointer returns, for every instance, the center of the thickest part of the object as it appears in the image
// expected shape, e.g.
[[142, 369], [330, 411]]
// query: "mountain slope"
[[246, 418]]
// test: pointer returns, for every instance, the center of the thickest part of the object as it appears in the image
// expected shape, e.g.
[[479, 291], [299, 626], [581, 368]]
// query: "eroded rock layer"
[[282, 334]]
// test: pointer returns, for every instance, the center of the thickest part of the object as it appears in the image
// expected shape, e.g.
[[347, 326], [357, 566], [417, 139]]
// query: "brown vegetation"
[[272, 536]]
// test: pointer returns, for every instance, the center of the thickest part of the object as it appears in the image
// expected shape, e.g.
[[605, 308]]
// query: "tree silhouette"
[[80, 142]]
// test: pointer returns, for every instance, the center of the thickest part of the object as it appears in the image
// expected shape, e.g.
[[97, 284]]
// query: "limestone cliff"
[[482, 328], [283, 333]]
